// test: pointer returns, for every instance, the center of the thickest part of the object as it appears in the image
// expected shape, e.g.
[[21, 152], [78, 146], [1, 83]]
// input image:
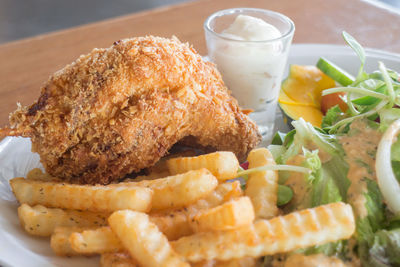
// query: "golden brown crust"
[[118, 110]]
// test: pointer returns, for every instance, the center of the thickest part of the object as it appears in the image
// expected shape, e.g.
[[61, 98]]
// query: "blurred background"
[[25, 18]]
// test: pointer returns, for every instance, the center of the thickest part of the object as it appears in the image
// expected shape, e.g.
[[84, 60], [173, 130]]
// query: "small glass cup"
[[252, 70]]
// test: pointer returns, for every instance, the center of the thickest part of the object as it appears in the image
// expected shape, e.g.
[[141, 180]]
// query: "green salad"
[[355, 158]]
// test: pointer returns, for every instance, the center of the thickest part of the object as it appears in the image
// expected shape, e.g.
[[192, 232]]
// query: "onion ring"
[[387, 181]]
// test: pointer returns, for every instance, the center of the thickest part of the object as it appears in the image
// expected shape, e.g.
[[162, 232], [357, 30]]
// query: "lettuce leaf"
[[337, 168], [324, 189], [383, 250], [306, 133], [387, 117], [333, 172], [372, 241], [367, 226], [332, 116], [396, 169], [338, 249], [395, 151], [278, 138], [374, 205], [327, 182]]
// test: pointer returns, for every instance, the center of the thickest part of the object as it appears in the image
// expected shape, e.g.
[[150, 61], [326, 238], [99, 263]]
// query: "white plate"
[[19, 249], [16, 247]]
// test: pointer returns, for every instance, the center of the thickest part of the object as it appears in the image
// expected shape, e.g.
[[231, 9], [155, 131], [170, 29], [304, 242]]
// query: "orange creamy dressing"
[[323, 156], [360, 146]]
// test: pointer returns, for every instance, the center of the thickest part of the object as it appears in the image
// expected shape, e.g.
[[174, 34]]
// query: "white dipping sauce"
[[251, 68], [248, 28]]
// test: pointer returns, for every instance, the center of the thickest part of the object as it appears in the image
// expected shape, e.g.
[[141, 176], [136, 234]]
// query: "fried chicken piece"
[[118, 110]]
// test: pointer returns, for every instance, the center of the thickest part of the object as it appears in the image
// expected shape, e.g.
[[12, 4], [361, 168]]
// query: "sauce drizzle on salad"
[[360, 145]]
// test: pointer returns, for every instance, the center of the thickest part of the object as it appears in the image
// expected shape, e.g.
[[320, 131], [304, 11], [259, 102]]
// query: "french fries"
[[41, 221], [223, 165], [191, 218], [103, 240], [60, 242], [173, 225], [81, 197], [143, 240], [262, 186], [230, 215], [100, 240], [224, 192], [301, 229], [176, 223], [121, 259], [179, 190]]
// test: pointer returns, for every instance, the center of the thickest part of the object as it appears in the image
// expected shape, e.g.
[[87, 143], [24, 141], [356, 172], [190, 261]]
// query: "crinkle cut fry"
[[224, 192], [262, 186], [301, 229], [143, 240], [176, 223], [232, 214], [81, 197], [60, 241], [100, 240], [222, 164], [173, 225], [103, 240], [41, 221], [179, 190]]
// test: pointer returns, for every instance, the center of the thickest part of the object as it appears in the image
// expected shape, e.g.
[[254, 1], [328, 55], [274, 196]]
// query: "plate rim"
[[335, 48]]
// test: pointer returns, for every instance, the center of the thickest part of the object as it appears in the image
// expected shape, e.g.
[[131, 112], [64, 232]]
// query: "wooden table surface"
[[27, 64]]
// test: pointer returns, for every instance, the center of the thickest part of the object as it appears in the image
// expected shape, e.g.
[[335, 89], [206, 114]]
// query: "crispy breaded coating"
[[118, 110]]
